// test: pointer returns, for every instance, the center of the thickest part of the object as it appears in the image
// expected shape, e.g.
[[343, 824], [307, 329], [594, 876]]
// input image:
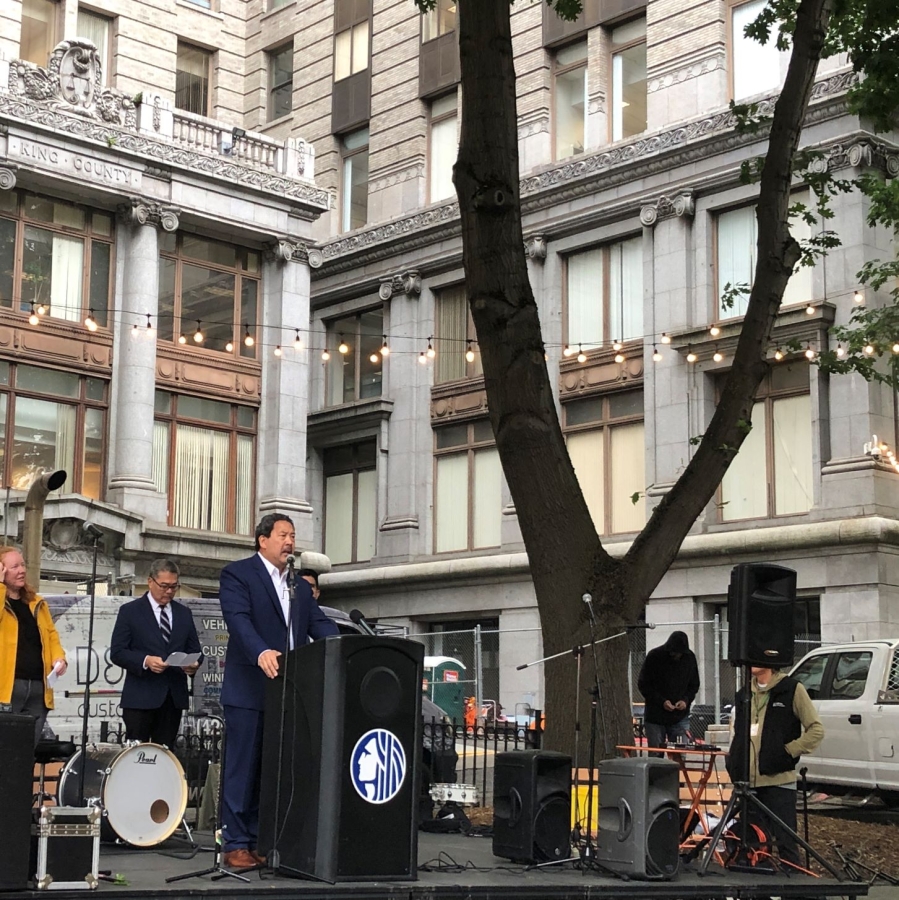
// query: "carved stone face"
[[77, 76]]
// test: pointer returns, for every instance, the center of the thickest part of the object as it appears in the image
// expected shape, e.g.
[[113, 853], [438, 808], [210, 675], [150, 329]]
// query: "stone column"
[[281, 444], [409, 426], [131, 484]]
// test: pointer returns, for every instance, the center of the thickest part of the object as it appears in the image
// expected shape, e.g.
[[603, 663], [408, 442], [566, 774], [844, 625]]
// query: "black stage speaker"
[[760, 602], [638, 825], [16, 787], [531, 805], [349, 761]]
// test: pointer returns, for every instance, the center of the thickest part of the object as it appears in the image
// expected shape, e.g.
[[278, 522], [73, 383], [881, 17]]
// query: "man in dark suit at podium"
[[256, 607], [146, 632]]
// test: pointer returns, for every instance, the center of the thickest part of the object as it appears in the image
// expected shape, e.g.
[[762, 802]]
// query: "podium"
[[349, 760]]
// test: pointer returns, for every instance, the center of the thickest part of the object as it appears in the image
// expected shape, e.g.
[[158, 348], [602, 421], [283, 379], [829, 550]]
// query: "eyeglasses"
[[167, 587]]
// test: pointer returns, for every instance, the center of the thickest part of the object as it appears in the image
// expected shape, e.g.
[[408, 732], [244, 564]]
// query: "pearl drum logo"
[[378, 766]]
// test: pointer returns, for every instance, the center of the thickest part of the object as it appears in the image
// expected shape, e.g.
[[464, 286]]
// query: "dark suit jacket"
[[136, 636], [255, 620]]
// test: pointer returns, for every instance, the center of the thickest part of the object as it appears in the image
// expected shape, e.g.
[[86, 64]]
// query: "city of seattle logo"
[[378, 766]]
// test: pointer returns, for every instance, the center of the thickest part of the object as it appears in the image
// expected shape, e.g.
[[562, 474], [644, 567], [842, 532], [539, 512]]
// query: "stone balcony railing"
[[69, 98]]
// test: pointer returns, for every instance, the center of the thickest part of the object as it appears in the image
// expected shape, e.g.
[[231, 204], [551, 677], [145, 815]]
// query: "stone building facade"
[[282, 171]]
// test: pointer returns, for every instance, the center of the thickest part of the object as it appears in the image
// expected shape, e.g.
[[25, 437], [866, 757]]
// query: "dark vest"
[[781, 726]]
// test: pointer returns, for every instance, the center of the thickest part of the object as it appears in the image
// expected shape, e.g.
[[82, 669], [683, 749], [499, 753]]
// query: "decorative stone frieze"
[[535, 247], [73, 81], [146, 212], [599, 374], [660, 80], [408, 283], [7, 178], [680, 205], [867, 154], [459, 402]]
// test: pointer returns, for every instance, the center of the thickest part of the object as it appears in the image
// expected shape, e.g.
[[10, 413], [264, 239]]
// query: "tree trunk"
[[566, 557]]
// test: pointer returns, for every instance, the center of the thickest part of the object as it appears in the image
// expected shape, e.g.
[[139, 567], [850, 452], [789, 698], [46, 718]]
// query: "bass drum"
[[141, 787]]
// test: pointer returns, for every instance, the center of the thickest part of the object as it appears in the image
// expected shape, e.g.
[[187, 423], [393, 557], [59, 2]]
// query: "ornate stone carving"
[[408, 283], [157, 115], [667, 207], [535, 247], [685, 73], [73, 81], [287, 250], [861, 153], [7, 178], [146, 212]]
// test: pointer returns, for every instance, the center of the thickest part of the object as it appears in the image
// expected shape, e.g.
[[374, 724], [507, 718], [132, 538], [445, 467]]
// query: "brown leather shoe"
[[240, 859], [260, 859]]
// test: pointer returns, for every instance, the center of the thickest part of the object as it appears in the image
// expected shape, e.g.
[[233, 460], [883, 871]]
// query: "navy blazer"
[[255, 618], [136, 636]]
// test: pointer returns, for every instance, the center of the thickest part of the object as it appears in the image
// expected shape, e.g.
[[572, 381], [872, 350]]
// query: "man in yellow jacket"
[[29, 644]]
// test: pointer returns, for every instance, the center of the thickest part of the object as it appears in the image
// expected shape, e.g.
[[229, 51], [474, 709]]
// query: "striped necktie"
[[165, 625]]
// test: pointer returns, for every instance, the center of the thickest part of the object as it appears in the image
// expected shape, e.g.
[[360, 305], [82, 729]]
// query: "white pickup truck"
[[855, 688]]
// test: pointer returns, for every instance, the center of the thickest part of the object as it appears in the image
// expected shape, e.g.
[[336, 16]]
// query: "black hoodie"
[[665, 678]]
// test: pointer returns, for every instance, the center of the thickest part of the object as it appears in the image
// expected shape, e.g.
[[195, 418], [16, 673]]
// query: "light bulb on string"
[[430, 352], [229, 347], [581, 356], [714, 330], [840, 351], [617, 345], [199, 337], [343, 347], [666, 338], [41, 309], [374, 358], [248, 338], [277, 350], [656, 356], [469, 353], [619, 357], [385, 350], [297, 342], [90, 323], [149, 326], [869, 350], [778, 354], [858, 297], [896, 347], [422, 358], [325, 354], [135, 331], [691, 356], [717, 355], [809, 352], [566, 351], [182, 339], [33, 319], [810, 310]]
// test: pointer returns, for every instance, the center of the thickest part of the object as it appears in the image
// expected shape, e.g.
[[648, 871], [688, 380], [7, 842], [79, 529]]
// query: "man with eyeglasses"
[[146, 632]]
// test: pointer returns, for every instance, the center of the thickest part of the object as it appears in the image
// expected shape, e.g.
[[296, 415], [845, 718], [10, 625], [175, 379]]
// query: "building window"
[[55, 258], [605, 294], [280, 82], [628, 79], [443, 147], [570, 99], [354, 199], [755, 68], [606, 445], [351, 44], [192, 79], [51, 420], [203, 460], [737, 251], [277, 4], [772, 473], [98, 29], [206, 4], [40, 30], [439, 20], [455, 339], [468, 488], [355, 364], [351, 502], [208, 290]]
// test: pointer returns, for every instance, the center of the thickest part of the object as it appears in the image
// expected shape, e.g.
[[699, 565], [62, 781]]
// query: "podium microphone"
[[362, 622]]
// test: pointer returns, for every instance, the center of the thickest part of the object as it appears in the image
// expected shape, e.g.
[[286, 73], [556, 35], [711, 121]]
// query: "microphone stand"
[[95, 535]]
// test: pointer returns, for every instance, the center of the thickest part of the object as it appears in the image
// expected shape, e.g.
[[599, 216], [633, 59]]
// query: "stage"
[[457, 867]]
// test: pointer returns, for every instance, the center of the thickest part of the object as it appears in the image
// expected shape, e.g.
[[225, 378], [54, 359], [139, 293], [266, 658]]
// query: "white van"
[[855, 688]]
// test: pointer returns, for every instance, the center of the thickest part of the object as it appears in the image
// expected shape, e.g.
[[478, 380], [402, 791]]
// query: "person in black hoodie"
[[668, 682]]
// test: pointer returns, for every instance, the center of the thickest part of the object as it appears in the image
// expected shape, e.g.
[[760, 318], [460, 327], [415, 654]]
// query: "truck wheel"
[[890, 798]]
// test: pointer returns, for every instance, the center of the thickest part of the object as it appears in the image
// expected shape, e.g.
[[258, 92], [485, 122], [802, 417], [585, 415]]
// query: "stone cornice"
[[697, 140]]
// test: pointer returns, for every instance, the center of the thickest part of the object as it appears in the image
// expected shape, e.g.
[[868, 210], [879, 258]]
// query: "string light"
[[666, 338], [619, 357], [566, 351], [41, 309], [656, 356], [810, 310], [325, 354], [89, 322], [278, 350], [581, 356], [422, 358], [691, 356], [717, 355], [858, 297], [617, 345], [182, 339], [198, 334], [840, 351], [33, 319], [877, 450], [149, 326], [896, 347], [778, 354], [248, 338], [809, 352], [714, 330], [229, 347], [343, 347], [374, 358], [385, 350], [297, 342], [869, 350], [431, 352], [469, 353], [135, 331]]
